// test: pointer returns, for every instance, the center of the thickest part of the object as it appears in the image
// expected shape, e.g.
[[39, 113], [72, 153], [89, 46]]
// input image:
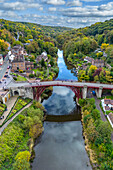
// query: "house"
[[29, 65], [107, 101], [88, 59], [98, 63], [4, 96], [107, 108], [18, 50], [107, 104], [11, 58], [28, 72], [42, 56], [1, 59], [18, 63]]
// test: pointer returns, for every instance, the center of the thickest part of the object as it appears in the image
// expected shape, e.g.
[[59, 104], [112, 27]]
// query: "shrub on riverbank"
[[16, 136], [97, 136]]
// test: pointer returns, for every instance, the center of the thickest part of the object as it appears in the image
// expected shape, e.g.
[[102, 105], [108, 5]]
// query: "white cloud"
[[91, 0], [55, 2], [51, 9], [19, 5], [74, 3], [108, 6]]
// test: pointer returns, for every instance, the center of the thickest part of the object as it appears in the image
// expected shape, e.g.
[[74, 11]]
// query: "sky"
[[68, 13]]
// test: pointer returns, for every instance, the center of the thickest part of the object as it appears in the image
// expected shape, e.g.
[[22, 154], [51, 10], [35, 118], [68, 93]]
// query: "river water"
[[61, 146]]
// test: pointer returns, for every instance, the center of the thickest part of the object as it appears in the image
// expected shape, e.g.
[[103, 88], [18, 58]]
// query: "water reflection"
[[61, 102], [61, 148]]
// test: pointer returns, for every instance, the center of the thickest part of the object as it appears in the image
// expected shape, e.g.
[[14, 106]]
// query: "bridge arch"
[[38, 90], [15, 92]]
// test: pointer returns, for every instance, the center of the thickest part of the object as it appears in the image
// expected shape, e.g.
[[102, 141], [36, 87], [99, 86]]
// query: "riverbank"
[[19, 137], [97, 136]]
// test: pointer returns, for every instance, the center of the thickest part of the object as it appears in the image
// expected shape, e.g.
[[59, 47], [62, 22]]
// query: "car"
[[6, 72], [3, 79], [6, 76], [8, 67], [1, 117], [0, 82]]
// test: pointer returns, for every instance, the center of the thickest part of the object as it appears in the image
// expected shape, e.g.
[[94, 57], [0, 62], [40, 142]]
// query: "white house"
[[107, 104], [4, 96], [11, 57]]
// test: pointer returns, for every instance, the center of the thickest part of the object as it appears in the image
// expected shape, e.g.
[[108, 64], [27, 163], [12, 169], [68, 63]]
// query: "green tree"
[[95, 114]]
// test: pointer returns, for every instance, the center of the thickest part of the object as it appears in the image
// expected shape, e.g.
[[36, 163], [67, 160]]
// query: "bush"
[[15, 78]]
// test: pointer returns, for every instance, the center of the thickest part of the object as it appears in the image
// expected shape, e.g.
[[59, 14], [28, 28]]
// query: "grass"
[[2, 109], [19, 104], [20, 78]]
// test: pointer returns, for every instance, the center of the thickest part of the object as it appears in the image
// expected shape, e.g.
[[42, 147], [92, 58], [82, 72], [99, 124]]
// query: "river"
[[61, 146]]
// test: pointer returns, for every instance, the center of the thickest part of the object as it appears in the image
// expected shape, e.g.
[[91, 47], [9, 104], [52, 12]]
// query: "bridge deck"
[[61, 83]]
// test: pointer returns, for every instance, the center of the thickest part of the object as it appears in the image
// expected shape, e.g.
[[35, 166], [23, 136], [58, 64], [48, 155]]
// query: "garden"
[[17, 77], [2, 109], [19, 104]]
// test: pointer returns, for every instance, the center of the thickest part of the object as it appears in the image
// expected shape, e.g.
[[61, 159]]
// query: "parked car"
[[6, 76], [0, 82], [8, 67], [6, 72], [1, 117]]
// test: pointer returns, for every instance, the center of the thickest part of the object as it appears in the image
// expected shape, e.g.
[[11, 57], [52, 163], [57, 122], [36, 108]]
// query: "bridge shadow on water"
[[74, 115]]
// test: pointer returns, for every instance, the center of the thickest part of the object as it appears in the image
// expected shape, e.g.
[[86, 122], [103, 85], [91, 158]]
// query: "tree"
[[42, 62], [104, 46], [95, 114], [3, 45], [104, 130], [96, 78], [36, 130], [22, 161], [112, 92]]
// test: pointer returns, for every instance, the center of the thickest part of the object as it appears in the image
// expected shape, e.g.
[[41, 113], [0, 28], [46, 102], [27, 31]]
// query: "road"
[[62, 83], [4, 67]]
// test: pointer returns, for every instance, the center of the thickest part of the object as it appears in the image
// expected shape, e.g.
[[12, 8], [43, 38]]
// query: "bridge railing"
[[69, 80]]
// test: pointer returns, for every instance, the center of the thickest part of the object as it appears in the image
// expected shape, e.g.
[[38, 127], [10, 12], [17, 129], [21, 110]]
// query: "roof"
[[17, 47], [3, 93], [111, 102], [107, 108], [107, 101], [19, 58], [89, 59], [98, 61], [28, 63]]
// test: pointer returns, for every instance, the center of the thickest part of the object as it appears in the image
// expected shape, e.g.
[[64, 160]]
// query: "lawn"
[[20, 78], [2, 109], [20, 103]]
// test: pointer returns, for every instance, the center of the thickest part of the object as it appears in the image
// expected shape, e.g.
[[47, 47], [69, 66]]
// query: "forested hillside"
[[82, 42]]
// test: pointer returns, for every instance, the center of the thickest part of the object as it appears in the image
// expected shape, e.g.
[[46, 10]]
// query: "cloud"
[[18, 6], [107, 7], [92, 0], [88, 11], [55, 2], [52, 9], [74, 3]]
